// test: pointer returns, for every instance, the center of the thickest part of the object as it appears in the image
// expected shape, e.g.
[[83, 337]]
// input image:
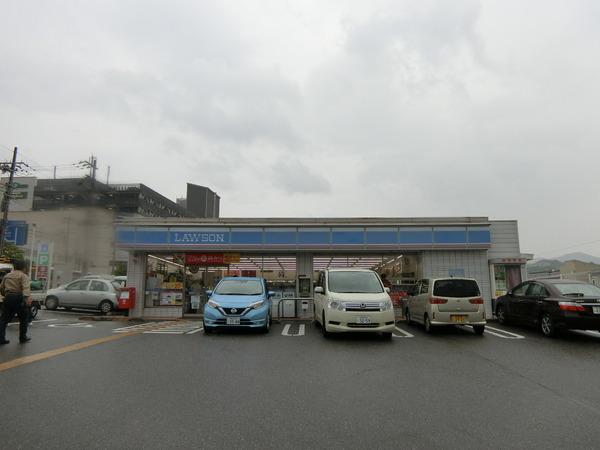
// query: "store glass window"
[[164, 280], [506, 277]]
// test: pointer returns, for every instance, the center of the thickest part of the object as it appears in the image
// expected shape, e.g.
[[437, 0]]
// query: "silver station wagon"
[[86, 293]]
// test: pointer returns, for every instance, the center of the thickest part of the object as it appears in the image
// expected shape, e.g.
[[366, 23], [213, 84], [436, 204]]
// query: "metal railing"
[[293, 308]]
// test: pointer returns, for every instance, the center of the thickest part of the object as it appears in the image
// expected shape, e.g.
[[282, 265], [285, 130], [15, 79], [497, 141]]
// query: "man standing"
[[15, 288]]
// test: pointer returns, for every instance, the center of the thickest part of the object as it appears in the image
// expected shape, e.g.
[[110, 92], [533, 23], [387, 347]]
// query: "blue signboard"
[[329, 237], [16, 232]]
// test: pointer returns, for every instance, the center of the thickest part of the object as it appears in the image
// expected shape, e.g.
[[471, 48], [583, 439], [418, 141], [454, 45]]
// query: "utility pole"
[[6, 198], [91, 164]]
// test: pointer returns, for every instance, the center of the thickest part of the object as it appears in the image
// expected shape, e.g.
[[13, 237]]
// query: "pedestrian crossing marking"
[[164, 327]]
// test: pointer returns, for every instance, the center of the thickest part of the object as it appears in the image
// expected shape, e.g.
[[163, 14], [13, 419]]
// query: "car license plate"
[[233, 321], [458, 319], [596, 309], [363, 320]]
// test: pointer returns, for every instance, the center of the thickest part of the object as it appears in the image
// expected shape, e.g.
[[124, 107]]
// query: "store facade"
[[172, 262]]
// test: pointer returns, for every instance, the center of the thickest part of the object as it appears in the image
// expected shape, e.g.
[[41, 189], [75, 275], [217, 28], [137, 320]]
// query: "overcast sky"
[[321, 108]]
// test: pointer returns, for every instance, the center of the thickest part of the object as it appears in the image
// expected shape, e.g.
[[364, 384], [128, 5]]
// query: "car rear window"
[[456, 288], [578, 289]]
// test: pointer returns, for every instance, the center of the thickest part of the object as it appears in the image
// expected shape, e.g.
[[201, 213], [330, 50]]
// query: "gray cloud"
[[296, 178], [339, 109]]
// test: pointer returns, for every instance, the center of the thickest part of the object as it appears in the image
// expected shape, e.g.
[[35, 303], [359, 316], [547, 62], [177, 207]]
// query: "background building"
[[76, 216], [201, 201]]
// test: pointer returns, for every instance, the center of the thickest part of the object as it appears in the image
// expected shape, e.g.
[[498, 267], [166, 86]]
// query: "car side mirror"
[[387, 289], [319, 290], [271, 294], [209, 293]]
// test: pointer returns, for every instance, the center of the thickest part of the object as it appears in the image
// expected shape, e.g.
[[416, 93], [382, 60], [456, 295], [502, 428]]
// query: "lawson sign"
[[162, 236]]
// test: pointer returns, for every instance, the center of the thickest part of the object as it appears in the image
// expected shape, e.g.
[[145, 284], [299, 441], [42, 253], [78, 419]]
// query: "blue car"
[[238, 302]]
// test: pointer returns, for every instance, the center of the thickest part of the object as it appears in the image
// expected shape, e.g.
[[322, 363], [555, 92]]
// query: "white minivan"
[[353, 300], [446, 301]]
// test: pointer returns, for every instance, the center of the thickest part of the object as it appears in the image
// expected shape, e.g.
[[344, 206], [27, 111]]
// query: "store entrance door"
[[278, 270]]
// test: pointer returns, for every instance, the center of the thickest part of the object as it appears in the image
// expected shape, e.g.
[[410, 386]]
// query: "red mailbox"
[[126, 298]]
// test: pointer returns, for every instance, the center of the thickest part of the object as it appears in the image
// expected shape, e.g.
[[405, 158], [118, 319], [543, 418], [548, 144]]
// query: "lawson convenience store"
[[172, 262]]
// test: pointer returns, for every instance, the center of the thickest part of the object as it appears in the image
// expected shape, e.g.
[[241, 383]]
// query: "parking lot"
[[158, 384]]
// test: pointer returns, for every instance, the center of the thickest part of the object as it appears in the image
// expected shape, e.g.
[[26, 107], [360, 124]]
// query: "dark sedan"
[[552, 305]]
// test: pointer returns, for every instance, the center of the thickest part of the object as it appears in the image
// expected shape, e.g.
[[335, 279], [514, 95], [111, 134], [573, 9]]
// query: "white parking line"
[[176, 328], [286, 330], [32, 323], [497, 332], [198, 330], [592, 333], [405, 333], [143, 326], [71, 325]]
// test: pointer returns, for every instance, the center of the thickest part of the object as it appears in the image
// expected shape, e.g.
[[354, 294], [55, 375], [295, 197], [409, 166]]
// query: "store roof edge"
[[280, 221]]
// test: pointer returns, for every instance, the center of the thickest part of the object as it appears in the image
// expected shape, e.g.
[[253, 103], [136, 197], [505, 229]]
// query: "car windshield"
[[239, 287], [456, 288], [355, 282], [578, 289]]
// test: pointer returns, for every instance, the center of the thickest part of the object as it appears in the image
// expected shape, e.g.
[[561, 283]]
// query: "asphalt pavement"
[[167, 385]]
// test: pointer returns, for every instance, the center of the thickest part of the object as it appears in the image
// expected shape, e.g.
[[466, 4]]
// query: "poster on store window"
[[169, 298]]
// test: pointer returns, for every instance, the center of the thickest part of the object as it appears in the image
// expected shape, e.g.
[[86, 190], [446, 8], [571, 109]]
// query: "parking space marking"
[[497, 332], [143, 326], [71, 325], [32, 323], [404, 332], [592, 333], [197, 330], [286, 330], [179, 327]]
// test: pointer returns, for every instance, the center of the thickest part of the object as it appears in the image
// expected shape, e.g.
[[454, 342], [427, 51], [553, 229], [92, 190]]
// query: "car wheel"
[[501, 315], [51, 303], [33, 311], [106, 306], [267, 326], [315, 316], [324, 327], [547, 325], [407, 317], [207, 330], [387, 336], [479, 329], [427, 323]]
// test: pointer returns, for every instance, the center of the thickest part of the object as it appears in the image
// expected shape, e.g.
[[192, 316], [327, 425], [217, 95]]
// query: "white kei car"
[[353, 300], [437, 302]]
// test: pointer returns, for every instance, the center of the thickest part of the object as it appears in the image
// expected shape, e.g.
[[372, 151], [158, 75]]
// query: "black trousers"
[[14, 304]]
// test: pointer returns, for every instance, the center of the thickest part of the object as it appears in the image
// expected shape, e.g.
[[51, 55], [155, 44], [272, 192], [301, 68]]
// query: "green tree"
[[11, 252]]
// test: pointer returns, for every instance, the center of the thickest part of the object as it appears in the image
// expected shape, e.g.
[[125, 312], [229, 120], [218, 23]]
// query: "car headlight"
[[213, 304], [256, 305], [336, 305], [386, 305]]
